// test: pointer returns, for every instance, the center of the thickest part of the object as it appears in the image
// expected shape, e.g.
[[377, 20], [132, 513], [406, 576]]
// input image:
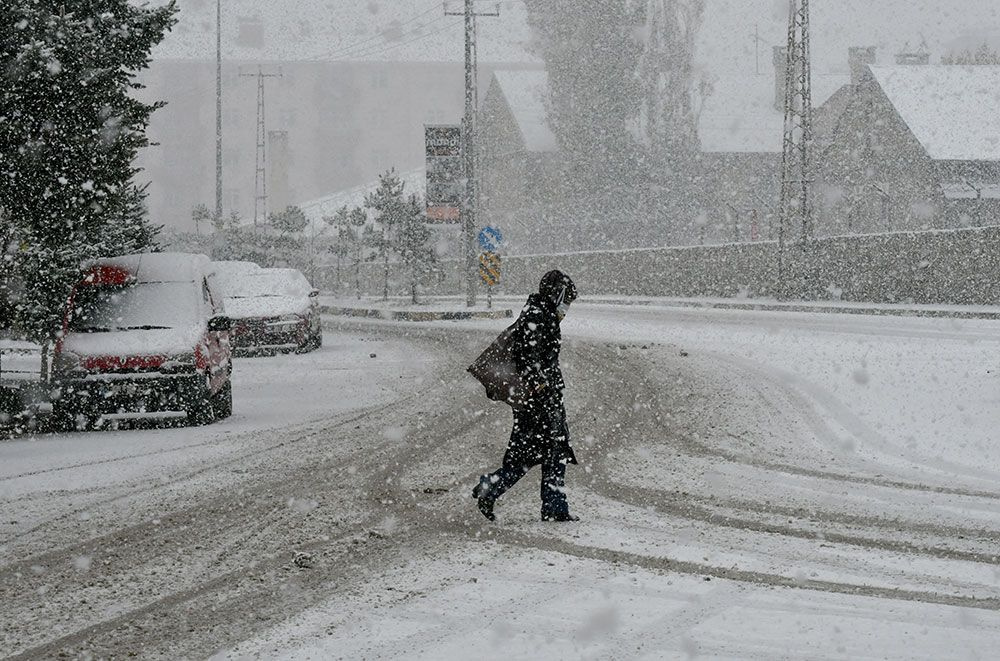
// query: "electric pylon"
[[796, 167], [260, 172]]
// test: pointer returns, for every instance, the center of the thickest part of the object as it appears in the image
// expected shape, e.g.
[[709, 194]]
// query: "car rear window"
[[137, 306], [270, 284]]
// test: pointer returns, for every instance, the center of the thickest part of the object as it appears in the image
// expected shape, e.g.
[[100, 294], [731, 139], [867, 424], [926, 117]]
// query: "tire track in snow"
[[300, 434], [807, 397], [135, 627], [669, 565]]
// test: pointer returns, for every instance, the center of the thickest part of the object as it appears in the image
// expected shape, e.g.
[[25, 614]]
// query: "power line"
[[376, 37], [398, 44]]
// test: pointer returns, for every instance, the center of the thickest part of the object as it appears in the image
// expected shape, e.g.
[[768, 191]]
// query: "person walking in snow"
[[540, 434]]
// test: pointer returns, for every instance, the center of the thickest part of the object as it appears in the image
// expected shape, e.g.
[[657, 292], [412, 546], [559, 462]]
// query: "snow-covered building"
[[741, 129], [918, 147], [519, 166]]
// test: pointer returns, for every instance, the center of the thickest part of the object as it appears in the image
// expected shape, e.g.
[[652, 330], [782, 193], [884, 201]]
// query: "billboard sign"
[[445, 173]]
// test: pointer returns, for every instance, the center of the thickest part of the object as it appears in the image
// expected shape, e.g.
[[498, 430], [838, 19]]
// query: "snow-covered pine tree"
[[390, 211], [340, 223], [591, 55], [669, 108], [69, 133], [357, 223], [672, 96], [290, 221], [412, 242], [201, 215]]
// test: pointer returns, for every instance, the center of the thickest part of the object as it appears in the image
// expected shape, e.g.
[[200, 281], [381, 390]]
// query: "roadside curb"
[[416, 315], [830, 309]]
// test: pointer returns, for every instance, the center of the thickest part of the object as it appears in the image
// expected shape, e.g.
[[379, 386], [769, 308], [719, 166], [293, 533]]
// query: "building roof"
[[525, 92], [951, 110], [342, 30], [739, 114], [414, 181]]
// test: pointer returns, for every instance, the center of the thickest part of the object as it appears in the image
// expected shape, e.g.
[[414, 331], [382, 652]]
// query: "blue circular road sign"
[[490, 239]]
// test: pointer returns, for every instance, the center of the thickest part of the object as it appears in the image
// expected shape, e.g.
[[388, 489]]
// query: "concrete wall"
[[934, 267]]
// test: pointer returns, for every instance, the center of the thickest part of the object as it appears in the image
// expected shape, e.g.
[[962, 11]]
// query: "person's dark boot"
[[483, 499], [561, 516]]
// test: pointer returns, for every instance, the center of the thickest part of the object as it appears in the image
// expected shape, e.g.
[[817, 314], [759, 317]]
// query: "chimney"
[[915, 58], [780, 67], [859, 58], [277, 174]]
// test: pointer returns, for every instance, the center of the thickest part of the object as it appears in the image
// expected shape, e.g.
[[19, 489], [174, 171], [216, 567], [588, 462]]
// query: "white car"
[[273, 310], [229, 273]]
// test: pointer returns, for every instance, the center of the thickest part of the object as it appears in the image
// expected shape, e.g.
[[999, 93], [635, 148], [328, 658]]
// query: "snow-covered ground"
[[840, 501], [39, 475], [752, 485]]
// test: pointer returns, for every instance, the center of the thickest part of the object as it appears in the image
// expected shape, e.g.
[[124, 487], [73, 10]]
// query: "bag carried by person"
[[496, 370]]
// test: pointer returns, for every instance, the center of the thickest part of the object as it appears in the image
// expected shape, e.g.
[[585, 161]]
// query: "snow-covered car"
[[229, 273], [144, 336], [274, 310]]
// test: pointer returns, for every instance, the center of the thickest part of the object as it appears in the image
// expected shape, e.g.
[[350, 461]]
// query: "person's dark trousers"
[[553, 485]]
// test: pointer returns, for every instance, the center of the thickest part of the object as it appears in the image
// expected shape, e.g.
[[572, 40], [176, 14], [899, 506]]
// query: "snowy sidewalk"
[[834, 307], [444, 304], [403, 309]]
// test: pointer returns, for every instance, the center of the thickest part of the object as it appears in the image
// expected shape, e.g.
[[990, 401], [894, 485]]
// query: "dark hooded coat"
[[540, 431]]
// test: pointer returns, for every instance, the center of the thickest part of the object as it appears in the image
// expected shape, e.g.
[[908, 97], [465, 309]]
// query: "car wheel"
[[64, 418], [67, 418], [223, 401], [201, 411]]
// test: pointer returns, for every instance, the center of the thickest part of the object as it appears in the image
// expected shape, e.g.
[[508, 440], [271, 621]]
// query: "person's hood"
[[542, 302]]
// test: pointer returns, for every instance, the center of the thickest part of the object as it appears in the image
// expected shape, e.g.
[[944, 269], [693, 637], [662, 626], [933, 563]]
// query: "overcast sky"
[[727, 44]]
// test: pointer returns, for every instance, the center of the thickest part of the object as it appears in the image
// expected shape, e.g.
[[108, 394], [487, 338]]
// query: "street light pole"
[[468, 145]]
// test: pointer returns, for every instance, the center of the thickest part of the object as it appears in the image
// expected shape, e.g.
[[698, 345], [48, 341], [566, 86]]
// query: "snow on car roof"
[[160, 266], [289, 280], [270, 282], [233, 266]]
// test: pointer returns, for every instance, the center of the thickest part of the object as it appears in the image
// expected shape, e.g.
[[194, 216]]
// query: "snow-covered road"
[[754, 485]]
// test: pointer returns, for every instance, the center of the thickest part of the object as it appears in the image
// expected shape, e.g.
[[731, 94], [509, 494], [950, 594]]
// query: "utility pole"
[[756, 47], [469, 146], [796, 167], [260, 173], [218, 111]]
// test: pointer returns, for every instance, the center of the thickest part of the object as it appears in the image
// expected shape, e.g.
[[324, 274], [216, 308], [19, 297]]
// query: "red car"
[[144, 336]]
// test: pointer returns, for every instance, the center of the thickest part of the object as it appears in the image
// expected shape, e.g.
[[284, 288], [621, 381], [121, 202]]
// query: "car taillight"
[[201, 357]]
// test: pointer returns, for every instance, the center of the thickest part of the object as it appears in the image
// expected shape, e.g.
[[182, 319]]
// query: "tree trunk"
[[413, 283], [357, 275], [385, 288], [44, 374]]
